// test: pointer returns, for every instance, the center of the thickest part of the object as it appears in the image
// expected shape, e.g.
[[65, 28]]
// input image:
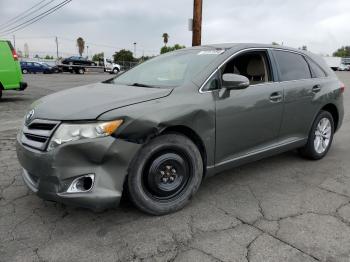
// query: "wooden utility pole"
[[197, 23]]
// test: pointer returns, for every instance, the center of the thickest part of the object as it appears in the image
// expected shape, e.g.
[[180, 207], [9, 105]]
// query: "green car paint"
[[10, 69]]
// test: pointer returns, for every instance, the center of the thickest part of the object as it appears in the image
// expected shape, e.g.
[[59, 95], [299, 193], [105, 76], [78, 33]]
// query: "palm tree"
[[165, 38], [81, 45]]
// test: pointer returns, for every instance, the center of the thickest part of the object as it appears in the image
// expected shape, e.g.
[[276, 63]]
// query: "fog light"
[[82, 184]]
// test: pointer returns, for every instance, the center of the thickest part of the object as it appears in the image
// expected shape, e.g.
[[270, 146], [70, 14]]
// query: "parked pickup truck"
[[111, 67]]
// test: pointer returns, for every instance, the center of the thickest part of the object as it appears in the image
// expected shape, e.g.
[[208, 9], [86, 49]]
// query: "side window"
[[253, 65], [316, 70], [212, 84], [292, 66]]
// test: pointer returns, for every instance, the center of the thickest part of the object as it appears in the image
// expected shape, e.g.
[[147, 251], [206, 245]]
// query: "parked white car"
[[343, 67]]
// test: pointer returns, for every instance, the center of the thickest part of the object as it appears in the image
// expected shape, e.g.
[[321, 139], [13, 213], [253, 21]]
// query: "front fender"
[[146, 120]]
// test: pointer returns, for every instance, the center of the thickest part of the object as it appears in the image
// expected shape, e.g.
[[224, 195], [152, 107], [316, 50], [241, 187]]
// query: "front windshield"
[[169, 70]]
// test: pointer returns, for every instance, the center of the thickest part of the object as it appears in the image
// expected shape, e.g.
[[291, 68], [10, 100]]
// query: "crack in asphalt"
[[249, 245], [334, 192], [273, 236]]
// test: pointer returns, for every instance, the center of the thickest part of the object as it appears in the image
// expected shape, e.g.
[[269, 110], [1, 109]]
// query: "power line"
[[36, 18], [9, 21], [20, 17]]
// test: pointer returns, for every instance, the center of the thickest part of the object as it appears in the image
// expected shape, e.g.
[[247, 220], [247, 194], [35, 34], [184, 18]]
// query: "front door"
[[248, 120]]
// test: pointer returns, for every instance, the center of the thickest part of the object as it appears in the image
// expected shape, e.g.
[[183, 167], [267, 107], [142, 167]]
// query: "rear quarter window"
[[292, 66], [316, 70]]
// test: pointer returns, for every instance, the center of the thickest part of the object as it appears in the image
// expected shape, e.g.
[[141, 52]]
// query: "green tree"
[[165, 38], [48, 57], [144, 58], [81, 45], [344, 51], [275, 43], [166, 49], [123, 55], [98, 57]]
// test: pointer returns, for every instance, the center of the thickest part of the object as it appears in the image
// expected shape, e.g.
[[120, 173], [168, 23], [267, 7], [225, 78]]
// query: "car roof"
[[240, 46], [228, 46]]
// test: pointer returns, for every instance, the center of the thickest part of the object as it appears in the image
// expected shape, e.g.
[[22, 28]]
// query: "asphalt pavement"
[[282, 208]]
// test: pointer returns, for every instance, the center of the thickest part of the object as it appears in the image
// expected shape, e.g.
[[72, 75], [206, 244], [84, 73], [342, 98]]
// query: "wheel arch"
[[193, 136], [1, 86], [333, 110]]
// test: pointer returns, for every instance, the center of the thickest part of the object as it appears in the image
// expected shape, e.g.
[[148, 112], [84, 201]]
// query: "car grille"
[[37, 134]]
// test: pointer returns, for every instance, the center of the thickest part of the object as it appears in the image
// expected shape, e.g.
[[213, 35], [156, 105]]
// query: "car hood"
[[90, 101]]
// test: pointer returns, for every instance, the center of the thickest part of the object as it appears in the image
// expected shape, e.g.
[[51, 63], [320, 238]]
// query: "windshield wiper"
[[142, 85]]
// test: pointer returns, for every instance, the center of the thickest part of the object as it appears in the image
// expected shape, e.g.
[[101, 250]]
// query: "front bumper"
[[49, 174]]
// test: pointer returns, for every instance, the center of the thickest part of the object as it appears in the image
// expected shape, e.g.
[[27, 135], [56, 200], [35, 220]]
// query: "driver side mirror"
[[234, 81]]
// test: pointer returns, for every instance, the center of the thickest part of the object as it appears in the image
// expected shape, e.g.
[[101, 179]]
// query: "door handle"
[[316, 89], [276, 97]]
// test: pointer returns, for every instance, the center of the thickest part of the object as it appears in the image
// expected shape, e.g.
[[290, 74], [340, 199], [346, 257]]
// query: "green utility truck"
[[10, 69]]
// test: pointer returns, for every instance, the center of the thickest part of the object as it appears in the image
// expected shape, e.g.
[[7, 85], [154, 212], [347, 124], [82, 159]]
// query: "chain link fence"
[[126, 65]]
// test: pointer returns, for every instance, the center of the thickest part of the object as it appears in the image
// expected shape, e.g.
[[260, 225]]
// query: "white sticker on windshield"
[[211, 52]]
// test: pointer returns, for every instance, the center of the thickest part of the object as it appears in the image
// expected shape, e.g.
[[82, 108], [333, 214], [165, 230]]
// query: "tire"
[[80, 71], [24, 71], [115, 70], [165, 174], [320, 137]]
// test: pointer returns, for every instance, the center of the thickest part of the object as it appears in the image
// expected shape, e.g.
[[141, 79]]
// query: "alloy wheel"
[[323, 134]]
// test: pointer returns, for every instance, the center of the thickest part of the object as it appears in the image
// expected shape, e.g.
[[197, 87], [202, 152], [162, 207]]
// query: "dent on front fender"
[[146, 120]]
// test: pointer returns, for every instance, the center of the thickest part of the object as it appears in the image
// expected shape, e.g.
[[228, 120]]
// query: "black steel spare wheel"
[[167, 174]]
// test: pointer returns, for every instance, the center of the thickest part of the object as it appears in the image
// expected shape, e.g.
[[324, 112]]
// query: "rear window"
[[292, 66], [316, 70]]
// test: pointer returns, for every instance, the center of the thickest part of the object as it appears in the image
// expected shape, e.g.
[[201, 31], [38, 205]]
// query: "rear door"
[[300, 90]]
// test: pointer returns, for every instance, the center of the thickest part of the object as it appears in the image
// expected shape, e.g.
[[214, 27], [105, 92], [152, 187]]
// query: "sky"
[[110, 25]]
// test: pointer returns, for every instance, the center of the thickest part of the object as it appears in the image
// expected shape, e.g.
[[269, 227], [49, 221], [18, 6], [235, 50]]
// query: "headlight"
[[72, 132]]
